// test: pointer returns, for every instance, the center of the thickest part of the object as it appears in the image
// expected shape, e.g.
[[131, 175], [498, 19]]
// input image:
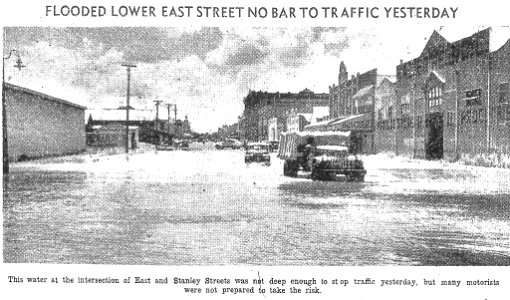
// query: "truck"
[[323, 154]]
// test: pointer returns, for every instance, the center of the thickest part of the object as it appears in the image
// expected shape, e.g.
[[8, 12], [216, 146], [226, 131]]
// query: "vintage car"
[[257, 152], [229, 144], [165, 147], [273, 146], [182, 144]]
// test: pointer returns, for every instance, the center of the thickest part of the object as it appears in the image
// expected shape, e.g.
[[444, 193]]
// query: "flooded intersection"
[[210, 208]]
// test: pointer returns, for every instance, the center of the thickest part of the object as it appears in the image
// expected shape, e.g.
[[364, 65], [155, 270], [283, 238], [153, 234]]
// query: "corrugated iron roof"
[[120, 114], [41, 95]]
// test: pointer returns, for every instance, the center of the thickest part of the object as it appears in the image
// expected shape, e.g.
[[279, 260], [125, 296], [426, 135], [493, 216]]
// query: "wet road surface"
[[210, 208]]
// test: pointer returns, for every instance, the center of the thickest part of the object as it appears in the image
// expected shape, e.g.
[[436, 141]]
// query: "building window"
[[365, 109], [503, 113], [503, 109], [419, 122], [450, 118], [380, 114], [404, 109], [406, 98], [390, 112], [504, 93], [435, 96]]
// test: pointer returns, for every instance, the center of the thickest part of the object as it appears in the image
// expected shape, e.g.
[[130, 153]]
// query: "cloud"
[[205, 71], [138, 44]]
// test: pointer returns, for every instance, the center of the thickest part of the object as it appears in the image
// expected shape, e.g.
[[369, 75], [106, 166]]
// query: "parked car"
[[182, 145], [257, 152], [229, 144], [273, 146]]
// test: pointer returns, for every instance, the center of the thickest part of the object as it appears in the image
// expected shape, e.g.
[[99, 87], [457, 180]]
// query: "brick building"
[[40, 125], [297, 121], [265, 111], [385, 113], [453, 99], [356, 104]]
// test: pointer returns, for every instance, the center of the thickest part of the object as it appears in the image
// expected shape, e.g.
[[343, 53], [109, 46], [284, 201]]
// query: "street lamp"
[[5, 149]]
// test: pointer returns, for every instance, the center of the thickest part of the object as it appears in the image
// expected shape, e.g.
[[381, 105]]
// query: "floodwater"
[[210, 208]]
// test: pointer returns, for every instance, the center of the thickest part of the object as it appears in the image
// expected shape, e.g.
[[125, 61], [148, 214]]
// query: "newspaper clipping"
[[262, 150]]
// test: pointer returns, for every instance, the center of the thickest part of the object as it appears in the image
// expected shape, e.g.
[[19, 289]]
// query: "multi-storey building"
[[453, 99], [356, 103], [265, 114], [385, 116]]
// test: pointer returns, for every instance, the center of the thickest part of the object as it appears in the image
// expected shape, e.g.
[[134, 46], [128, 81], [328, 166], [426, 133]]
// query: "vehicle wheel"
[[314, 174], [293, 168], [360, 178]]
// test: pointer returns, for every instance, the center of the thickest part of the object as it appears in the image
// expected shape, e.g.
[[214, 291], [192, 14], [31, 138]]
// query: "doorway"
[[434, 140]]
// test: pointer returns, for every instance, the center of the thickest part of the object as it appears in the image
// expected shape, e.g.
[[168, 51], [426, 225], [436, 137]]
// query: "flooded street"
[[210, 208]]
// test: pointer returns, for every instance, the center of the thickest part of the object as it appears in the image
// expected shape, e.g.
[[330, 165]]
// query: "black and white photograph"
[[308, 146], [260, 146]]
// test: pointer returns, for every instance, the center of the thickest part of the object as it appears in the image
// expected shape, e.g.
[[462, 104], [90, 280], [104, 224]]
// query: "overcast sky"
[[205, 71]]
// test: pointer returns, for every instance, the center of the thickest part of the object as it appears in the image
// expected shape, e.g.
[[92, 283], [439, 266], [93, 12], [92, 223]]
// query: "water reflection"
[[209, 208]]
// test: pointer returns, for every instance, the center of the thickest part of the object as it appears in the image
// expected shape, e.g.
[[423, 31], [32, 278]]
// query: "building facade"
[[261, 109], [152, 128], [384, 108], [297, 121], [356, 103], [40, 125], [453, 99], [113, 135]]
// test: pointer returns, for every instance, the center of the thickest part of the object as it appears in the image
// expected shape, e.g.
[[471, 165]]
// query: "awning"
[[353, 122], [363, 92], [320, 126]]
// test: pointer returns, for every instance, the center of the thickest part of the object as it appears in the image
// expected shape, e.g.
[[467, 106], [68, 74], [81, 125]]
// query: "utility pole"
[[168, 106], [456, 132], [5, 149], [157, 102], [177, 129], [414, 116], [488, 116], [127, 102]]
